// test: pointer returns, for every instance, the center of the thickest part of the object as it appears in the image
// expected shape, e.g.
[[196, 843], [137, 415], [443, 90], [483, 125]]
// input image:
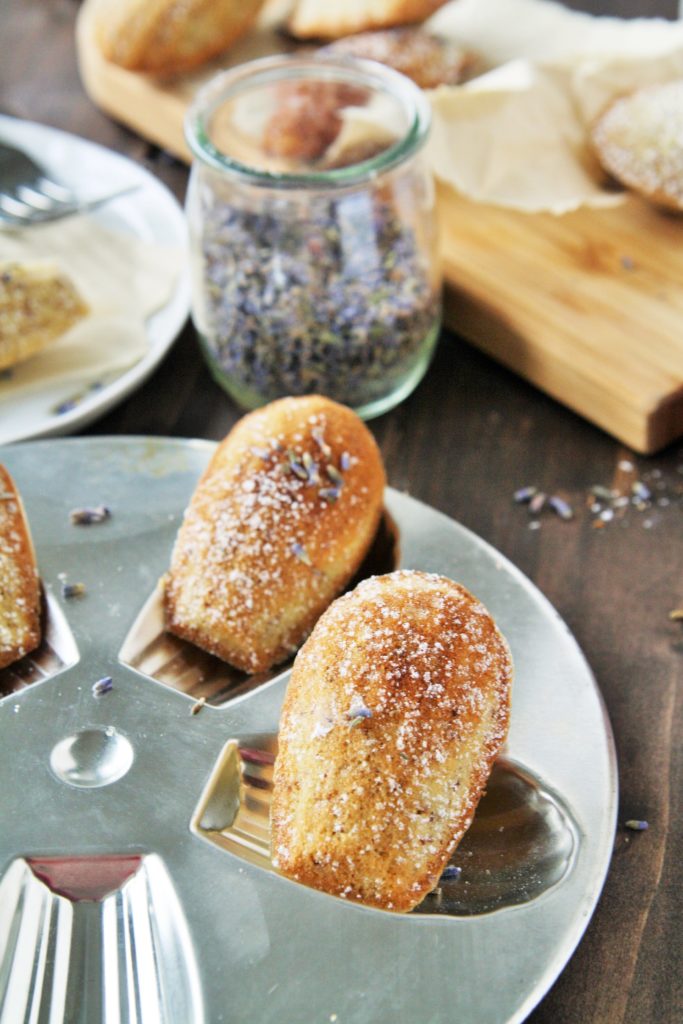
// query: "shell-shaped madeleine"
[[279, 523], [397, 706], [20, 626]]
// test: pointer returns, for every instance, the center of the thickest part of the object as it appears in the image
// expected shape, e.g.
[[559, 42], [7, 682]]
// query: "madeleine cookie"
[[311, 19], [639, 140], [279, 523], [307, 117], [20, 628], [38, 304], [170, 36], [397, 706], [427, 59]]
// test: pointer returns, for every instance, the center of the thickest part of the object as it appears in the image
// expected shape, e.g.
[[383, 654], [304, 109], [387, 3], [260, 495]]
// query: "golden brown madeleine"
[[311, 19], [280, 522], [428, 59], [20, 629], [397, 706], [639, 140], [170, 36]]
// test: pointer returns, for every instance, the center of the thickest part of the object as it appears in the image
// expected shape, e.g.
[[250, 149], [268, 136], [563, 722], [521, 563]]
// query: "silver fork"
[[28, 195]]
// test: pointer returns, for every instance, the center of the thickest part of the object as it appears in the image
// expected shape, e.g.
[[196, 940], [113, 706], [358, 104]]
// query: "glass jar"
[[312, 232]]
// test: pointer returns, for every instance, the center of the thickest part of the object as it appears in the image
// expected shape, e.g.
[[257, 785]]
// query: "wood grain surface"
[[470, 435]]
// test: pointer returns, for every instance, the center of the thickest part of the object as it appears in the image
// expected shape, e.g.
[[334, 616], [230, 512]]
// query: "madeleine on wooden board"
[[169, 36], [278, 525], [397, 706], [20, 628]]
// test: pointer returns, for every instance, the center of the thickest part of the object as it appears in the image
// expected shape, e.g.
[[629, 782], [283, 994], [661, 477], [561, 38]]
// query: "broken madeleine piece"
[[278, 525], [397, 705], [38, 304], [20, 626]]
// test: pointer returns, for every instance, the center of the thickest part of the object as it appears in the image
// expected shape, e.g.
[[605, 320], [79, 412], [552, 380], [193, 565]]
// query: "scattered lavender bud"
[[70, 590], [637, 826], [102, 686], [450, 872], [297, 467], [299, 551], [329, 494], [86, 516], [344, 461], [319, 439], [561, 507], [357, 712], [641, 491], [334, 474], [524, 494], [603, 492], [537, 503]]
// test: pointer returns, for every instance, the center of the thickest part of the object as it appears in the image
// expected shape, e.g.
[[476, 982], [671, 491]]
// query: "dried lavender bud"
[[102, 686], [334, 474], [537, 503], [641, 491], [299, 551], [450, 872], [524, 494], [86, 516], [70, 590], [344, 461], [637, 826], [603, 492], [281, 317], [319, 439], [561, 507], [358, 712], [329, 494]]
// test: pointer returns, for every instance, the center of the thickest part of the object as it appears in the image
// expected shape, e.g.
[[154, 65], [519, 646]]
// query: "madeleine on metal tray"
[[279, 523], [397, 706], [20, 626]]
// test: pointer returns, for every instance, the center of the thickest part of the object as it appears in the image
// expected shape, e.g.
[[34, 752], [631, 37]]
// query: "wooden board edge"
[[645, 433]]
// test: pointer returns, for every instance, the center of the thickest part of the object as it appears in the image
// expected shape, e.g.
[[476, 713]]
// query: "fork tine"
[[15, 213], [15, 208], [34, 198], [55, 191]]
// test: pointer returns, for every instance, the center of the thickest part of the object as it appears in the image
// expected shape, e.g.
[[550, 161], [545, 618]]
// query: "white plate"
[[152, 214]]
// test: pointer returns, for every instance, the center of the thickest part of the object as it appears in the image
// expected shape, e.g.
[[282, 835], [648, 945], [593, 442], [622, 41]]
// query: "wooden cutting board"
[[587, 306]]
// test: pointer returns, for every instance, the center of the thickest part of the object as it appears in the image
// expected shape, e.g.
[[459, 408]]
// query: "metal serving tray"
[[135, 879]]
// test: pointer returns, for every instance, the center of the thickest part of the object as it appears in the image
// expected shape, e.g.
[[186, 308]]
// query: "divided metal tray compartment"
[[224, 939]]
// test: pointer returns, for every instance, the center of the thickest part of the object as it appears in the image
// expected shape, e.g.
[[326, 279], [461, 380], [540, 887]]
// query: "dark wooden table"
[[464, 441]]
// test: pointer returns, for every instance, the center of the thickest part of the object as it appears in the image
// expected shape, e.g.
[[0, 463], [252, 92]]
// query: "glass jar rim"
[[285, 67]]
